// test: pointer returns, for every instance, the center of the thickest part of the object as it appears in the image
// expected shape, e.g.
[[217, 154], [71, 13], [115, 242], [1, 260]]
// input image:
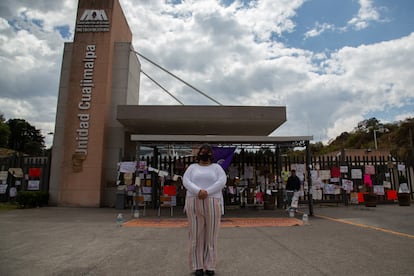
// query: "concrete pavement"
[[343, 240]]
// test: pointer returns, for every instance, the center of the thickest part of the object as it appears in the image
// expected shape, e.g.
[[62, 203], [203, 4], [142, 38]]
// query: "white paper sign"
[[162, 173], [329, 189], [128, 167], [325, 174], [378, 189], [33, 185], [356, 174], [146, 190], [343, 169], [13, 192], [300, 171], [316, 193], [314, 174], [3, 175], [347, 185], [403, 188], [401, 167], [387, 184]]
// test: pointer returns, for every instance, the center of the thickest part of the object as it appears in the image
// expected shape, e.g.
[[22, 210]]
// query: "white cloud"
[[225, 51], [402, 117], [367, 13], [269, 16], [319, 29]]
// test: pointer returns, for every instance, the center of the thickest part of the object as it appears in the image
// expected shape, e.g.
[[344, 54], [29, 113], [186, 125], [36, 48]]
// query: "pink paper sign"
[[368, 180]]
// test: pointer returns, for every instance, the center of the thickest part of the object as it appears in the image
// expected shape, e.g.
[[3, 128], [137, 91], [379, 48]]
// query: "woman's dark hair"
[[207, 149]]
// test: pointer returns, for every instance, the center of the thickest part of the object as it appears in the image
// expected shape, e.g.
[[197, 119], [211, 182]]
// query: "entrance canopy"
[[242, 141], [246, 126], [201, 119]]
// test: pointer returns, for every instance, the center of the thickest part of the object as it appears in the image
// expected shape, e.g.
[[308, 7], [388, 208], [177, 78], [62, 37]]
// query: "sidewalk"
[[86, 241]]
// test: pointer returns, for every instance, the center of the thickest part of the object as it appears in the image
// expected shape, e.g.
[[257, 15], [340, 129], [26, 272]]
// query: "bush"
[[30, 199]]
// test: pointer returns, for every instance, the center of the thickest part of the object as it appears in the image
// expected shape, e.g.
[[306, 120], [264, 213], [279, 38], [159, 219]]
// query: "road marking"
[[367, 226]]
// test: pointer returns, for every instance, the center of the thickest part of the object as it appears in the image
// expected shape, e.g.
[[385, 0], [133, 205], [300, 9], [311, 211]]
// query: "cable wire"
[[166, 91], [183, 81]]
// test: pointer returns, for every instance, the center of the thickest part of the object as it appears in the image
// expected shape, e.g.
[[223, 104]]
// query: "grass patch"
[[4, 206]]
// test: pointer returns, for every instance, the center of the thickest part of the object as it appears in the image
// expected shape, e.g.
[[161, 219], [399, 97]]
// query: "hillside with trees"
[[396, 137]]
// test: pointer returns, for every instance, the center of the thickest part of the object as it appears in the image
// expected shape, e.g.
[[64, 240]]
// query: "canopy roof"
[[240, 141], [201, 119], [220, 139]]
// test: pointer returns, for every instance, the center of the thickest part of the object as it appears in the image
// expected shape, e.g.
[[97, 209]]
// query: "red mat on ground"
[[225, 222]]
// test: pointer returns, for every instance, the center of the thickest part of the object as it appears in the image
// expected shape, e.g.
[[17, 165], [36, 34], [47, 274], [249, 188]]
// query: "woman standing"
[[204, 182]]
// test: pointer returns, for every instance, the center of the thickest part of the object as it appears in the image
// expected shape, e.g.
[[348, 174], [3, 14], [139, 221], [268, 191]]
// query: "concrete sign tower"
[[99, 72]]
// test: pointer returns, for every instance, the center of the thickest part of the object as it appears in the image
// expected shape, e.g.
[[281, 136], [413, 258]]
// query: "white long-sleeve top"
[[211, 178]]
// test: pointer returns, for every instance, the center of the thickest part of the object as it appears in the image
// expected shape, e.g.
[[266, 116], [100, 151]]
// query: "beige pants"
[[204, 218]]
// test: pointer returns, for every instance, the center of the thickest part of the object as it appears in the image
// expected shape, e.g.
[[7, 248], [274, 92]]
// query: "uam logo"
[[94, 15], [221, 161]]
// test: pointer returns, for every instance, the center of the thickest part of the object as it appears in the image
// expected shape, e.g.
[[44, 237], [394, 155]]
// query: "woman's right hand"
[[202, 194]]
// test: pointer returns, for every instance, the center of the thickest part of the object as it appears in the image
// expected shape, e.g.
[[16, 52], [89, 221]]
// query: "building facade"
[[99, 72]]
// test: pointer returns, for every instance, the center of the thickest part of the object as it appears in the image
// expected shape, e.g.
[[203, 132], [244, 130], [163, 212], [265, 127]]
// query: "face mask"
[[204, 157]]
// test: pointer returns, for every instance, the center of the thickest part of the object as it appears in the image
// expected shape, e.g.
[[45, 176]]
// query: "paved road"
[[86, 241], [393, 218]]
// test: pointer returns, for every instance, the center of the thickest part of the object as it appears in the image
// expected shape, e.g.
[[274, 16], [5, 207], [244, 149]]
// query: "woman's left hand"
[[202, 194]]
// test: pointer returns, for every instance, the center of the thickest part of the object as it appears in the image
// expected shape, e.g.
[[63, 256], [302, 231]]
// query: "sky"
[[332, 63]]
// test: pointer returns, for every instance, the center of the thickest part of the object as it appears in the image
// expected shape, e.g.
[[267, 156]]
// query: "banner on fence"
[[223, 156]]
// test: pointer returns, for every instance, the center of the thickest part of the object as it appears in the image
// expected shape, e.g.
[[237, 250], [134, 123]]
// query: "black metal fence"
[[24, 173], [386, 169]]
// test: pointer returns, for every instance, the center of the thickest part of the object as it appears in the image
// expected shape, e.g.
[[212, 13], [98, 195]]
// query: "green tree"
[[368, 124], [404, 141], [316, 148], [25, 137], [4, 132]]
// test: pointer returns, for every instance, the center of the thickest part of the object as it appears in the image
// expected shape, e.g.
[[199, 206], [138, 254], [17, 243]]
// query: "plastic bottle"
[[136, 214], [119, 220], [305, 218]]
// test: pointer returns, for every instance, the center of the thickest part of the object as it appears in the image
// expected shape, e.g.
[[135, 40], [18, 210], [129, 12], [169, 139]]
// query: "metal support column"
[[154, 179], [279, 178], [309, 175], [344, 192]]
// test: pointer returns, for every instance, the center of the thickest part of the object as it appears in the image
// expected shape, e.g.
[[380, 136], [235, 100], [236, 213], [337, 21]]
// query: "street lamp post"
[[380, 129], [375, 139]]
